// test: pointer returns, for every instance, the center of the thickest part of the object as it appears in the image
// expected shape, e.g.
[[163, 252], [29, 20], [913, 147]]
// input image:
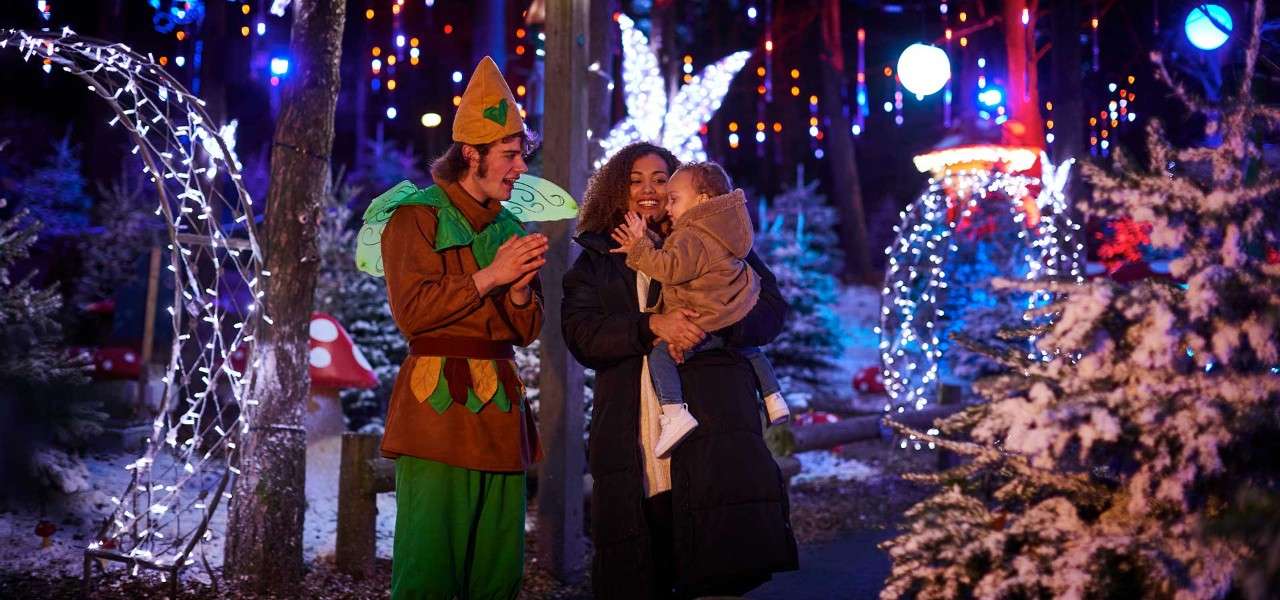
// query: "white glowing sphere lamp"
[[1208, 26], [923, 69]]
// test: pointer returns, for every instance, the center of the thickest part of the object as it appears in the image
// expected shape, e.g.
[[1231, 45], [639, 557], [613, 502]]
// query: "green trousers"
[[459, 533]]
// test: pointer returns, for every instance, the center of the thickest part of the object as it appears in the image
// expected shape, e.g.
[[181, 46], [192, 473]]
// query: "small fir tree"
[[46, 422], [796, 239], [55, 194], [1124, 466]]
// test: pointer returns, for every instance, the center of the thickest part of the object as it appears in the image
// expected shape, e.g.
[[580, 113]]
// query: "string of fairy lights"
[[412, 25], [915, 311], [191, 453]]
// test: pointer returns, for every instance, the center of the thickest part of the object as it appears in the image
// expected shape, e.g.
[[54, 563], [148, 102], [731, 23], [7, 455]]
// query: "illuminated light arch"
[[189, 461], [975, 194]]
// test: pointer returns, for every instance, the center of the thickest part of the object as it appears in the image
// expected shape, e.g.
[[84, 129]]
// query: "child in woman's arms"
[[702, 267]]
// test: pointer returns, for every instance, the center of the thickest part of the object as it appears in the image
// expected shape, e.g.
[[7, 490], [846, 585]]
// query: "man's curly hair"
[[605, 202]]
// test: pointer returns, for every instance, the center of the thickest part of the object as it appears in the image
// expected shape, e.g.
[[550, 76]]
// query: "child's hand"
[[628, 233]]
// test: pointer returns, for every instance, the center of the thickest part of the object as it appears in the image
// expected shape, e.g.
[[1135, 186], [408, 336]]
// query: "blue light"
[[856, 129], [279, 66], [991, 97], [1208, 26], [376, 84], [818, 153], [752, 13]]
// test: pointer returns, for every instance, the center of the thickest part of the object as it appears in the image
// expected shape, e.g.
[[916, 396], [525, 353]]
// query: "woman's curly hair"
[[605, 202]]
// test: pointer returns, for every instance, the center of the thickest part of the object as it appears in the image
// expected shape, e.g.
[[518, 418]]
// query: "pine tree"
[[45, 423], [797, 240], [55, 195], [387, 164], [359, 302], [127, 229], [1109, 470]]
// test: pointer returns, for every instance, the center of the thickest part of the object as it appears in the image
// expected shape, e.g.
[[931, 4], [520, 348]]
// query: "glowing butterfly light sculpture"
[[982, 217], [672, 123], [191, 453]]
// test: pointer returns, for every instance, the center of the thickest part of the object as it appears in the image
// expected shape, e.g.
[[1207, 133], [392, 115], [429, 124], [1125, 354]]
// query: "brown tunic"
[[432, 295]]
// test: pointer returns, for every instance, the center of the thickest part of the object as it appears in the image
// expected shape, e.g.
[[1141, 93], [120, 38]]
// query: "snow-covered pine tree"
[[796, 239], [1103, 472], [54, 194], [386, 164], [359, 302], [43, 423], [128, 228]]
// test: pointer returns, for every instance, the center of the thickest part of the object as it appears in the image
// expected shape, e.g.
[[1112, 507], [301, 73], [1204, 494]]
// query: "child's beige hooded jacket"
[[701, 264]]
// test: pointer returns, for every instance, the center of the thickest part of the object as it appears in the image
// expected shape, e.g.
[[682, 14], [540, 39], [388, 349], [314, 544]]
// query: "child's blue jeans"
[[666, 378]]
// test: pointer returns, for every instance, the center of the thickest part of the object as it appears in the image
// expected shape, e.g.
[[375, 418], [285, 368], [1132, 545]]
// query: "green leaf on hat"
[[497, 113]]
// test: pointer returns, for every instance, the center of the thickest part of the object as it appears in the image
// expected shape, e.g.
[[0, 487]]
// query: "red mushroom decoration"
[[113, 363], [336, 364], [869, 381], [335, 360], [107, 544], [45, 530]]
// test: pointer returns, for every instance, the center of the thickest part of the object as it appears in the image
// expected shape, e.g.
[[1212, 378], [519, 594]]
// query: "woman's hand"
[[676, 328], [628, 233], [517, 259]]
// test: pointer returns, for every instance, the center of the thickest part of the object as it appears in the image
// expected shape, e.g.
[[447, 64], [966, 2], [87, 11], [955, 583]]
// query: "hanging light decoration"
[[923, 69], [1208, 26]]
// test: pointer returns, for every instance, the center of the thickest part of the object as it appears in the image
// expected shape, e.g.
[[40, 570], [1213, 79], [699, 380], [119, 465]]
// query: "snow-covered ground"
[[79, 516], [859, 311], [823, 464]]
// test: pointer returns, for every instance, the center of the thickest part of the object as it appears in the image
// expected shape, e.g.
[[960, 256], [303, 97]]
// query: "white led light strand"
[[672, 123], [914, 298], [187, 466]]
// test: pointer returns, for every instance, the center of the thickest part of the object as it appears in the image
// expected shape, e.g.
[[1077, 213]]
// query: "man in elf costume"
[[461, 274]]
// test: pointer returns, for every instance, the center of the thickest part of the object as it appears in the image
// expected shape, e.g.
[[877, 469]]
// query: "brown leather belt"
[[460, 348]]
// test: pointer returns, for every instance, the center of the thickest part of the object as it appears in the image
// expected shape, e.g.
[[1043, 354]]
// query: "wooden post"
[[357, 506], [148, 326], [560, 523]]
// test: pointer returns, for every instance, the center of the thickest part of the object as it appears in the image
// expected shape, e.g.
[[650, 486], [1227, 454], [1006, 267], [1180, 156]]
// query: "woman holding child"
[[711, 516]]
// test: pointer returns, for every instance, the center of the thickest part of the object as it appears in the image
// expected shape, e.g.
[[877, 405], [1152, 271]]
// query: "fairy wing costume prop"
[[533, 199]]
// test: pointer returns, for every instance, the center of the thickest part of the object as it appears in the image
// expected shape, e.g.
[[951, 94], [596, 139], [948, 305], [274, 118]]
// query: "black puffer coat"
[[731, 513]]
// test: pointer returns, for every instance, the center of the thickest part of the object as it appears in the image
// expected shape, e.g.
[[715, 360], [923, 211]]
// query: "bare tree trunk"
[[1025, 125], [1068, 81], [846, 189], [662, 38], [601, 48], [560, 523], [264, 546]]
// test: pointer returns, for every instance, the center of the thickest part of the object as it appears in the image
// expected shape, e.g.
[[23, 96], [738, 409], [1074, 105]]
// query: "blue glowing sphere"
[[1208, 26]]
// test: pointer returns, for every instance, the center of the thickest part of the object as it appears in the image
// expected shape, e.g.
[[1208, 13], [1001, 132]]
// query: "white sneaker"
[[675, 427], [777, 409]]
